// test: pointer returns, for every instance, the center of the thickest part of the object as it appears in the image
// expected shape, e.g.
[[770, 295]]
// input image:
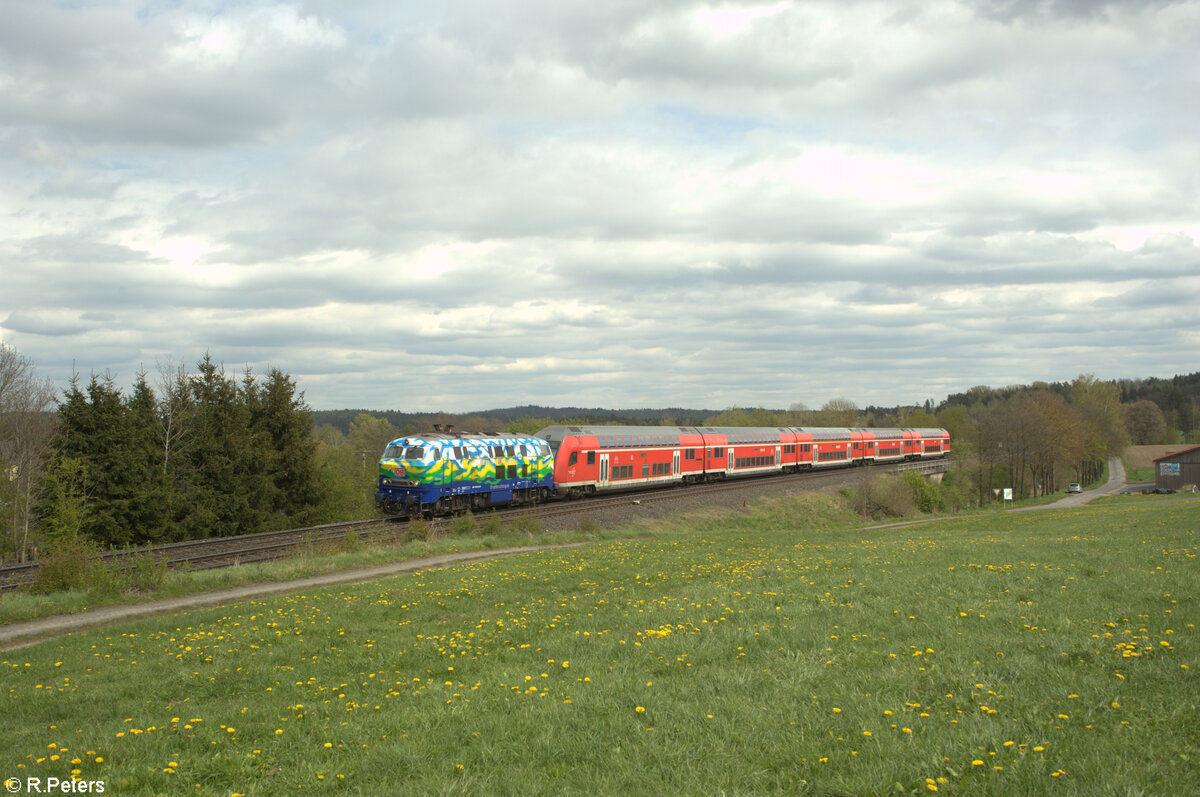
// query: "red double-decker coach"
[[592, 459]]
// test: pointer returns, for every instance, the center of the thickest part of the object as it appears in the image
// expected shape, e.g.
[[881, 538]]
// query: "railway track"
[[220, 551], [269, 545]]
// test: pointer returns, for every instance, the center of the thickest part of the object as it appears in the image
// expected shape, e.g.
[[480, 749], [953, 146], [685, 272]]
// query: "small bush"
[[587, 525], [421, 529], [146, 574], [525, 526], [463, 525], [958, 490], [492, 526], [350, 542], [126, 573], [883, 497], [925, 493], [66, 565]]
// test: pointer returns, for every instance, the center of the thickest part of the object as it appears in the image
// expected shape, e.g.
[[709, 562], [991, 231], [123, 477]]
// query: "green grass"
[[22, 605], [781, 650], [1132, 474], [1139, 498]]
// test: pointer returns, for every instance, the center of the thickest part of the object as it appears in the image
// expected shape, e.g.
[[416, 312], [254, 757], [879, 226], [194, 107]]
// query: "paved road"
[[1114, 485]]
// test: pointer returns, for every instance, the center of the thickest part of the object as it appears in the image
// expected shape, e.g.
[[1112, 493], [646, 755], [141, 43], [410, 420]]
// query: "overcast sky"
[[466, 205]]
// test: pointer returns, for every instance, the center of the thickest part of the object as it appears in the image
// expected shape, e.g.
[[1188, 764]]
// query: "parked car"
[[1074, 487]]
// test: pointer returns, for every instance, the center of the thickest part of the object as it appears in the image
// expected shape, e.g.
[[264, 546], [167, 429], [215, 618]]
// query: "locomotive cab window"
[[574, 458]]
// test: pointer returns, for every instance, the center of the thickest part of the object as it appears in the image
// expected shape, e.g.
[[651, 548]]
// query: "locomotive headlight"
[[397, 483]]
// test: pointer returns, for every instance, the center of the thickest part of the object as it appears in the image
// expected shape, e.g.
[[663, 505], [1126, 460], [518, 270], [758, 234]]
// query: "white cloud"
[[629, 204]]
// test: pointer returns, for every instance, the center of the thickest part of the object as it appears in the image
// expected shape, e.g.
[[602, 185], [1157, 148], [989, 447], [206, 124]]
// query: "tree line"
[[203, 455]]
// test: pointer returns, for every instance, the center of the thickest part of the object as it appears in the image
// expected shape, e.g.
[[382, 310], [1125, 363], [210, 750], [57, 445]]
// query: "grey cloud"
[[1013, 10], [48, 322]]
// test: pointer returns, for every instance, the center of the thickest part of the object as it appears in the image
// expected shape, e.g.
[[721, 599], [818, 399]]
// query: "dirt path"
[[22, 634]]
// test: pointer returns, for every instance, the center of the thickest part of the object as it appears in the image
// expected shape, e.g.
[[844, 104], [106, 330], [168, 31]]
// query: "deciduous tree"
[[26, 435], [1145, 422]]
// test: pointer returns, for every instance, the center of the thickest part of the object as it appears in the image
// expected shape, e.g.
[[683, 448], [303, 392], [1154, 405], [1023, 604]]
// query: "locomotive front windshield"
[[404, 452]]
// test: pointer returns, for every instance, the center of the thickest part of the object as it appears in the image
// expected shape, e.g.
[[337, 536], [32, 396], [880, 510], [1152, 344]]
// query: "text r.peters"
[[55, 786]]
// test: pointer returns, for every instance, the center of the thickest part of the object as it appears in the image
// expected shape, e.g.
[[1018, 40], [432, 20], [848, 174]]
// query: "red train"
[[592, 459]]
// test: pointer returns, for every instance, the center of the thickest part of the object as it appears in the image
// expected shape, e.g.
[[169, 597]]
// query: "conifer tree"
[[148, 499], [285, 422]]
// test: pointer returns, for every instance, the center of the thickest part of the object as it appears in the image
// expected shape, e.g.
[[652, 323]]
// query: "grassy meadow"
[[785, 649]]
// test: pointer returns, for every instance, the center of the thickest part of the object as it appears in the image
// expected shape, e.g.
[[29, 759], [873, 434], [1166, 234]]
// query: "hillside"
[[1144, 456]]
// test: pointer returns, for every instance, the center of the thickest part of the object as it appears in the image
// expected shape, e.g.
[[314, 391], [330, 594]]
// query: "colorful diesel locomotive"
[[443, 473]]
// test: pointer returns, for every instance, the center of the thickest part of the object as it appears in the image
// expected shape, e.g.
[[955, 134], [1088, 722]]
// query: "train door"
[[778, 456], [603, 469], [730, 467], [675, 464]]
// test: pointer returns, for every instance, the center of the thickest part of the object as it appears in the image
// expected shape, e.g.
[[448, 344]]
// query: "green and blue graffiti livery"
[[440, 473]]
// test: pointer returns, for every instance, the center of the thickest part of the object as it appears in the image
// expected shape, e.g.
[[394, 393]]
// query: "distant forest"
[[497, 419], [1178, 398]]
